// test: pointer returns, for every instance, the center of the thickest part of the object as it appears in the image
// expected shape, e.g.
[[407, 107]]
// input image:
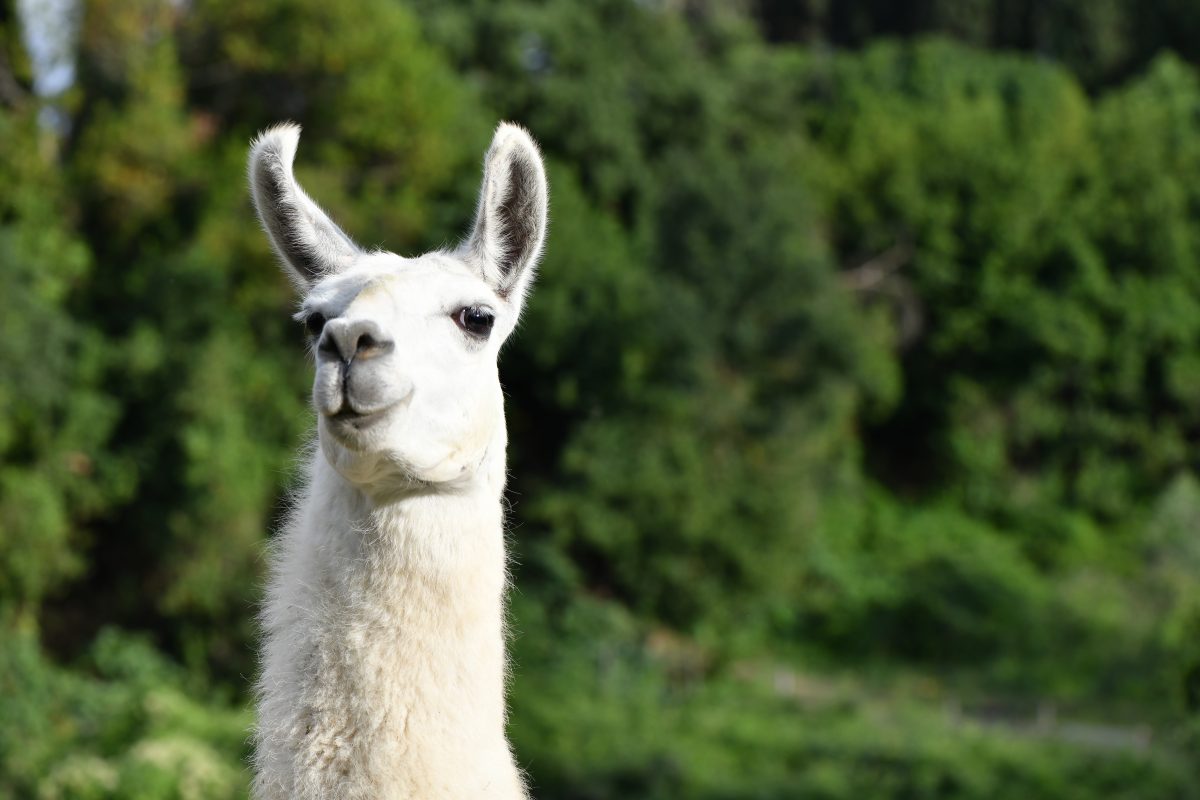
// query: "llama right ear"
[[308, 242], [510, 223]]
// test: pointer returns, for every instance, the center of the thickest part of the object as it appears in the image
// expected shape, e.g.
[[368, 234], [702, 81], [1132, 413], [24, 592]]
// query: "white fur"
[[383, 658]]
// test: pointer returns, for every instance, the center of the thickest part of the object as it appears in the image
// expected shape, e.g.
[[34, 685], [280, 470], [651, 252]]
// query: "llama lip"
[[348, 417]]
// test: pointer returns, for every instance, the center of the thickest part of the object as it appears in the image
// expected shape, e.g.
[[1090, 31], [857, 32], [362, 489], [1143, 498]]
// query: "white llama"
[[383, 659]]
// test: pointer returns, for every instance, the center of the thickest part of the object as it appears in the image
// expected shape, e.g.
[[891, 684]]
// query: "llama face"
[[405, 349], [405, 392]]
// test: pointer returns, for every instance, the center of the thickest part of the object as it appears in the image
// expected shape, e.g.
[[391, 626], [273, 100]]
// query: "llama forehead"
[[382, 283]]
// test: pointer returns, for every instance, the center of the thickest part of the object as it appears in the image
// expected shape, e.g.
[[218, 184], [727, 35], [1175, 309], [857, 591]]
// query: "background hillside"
[[854, 418]]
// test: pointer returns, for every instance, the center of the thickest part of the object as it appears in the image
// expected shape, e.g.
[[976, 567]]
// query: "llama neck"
[[384, 657]]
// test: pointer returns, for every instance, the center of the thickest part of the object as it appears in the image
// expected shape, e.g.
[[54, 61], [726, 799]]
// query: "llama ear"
[[309, 243], [510, 223]]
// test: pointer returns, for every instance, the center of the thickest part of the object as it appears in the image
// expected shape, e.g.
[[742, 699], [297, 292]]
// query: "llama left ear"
[[308, 242], [510, 223]]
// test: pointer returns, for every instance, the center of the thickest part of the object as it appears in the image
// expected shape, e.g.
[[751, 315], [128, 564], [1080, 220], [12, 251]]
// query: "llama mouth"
[[349, 418]]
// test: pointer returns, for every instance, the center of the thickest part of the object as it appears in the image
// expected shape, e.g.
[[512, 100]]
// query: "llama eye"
[[475, 320], [314, 323]]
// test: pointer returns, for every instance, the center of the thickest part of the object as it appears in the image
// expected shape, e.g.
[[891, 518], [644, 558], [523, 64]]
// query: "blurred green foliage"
[[120, 725], [1101, 41], [853, 420]]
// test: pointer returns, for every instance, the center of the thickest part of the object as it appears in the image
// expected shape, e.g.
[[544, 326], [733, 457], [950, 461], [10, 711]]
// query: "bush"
[[123, 725]]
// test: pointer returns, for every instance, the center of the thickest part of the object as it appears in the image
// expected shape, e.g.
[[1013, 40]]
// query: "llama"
[[383, 660]]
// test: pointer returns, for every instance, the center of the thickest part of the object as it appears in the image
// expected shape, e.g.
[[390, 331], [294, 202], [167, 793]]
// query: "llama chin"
[[383, 651]]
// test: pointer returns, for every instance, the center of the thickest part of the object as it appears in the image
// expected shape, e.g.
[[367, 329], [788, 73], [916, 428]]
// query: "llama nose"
[[348, 340]]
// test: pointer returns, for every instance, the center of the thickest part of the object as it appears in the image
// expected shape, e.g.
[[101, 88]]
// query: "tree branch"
[[874, 271]]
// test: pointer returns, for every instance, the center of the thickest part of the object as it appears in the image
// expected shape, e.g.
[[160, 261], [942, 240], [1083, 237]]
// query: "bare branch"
[[874, 271], [877, 276]]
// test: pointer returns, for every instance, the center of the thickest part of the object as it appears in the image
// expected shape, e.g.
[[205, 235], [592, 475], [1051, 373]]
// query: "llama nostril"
[[350, 340], [327, 346], [365, 342], [369, 346]]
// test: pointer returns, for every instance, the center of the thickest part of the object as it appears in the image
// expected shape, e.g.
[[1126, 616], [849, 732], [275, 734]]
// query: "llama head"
[[406, 390]]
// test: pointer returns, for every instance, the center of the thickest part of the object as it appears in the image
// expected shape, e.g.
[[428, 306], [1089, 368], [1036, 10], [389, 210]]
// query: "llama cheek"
[[468, 459], [466, 444]]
